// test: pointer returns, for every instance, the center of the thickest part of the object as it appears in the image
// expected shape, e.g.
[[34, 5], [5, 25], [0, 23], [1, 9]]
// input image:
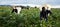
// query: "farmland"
[[27, 18]]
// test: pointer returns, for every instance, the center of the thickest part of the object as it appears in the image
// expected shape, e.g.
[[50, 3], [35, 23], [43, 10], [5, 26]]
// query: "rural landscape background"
[[27, 18]]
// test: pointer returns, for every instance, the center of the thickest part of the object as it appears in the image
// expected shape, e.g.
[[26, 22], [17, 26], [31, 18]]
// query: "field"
[[27, 18]]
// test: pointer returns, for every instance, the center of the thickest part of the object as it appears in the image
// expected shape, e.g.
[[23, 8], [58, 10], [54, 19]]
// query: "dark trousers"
[[45, 17], [14, 10]]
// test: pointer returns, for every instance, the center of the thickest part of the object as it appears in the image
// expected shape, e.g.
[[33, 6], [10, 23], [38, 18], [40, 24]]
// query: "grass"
[[27, 18]]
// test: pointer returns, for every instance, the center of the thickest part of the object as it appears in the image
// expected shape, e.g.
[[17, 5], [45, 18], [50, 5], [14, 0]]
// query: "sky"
[[37, 2]]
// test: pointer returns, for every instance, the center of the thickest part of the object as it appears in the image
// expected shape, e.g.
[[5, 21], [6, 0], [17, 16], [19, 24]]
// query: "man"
[[14, 10], [44, 14], [48, 11]]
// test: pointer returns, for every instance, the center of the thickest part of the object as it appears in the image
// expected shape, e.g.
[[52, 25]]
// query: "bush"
[[27, 18]]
